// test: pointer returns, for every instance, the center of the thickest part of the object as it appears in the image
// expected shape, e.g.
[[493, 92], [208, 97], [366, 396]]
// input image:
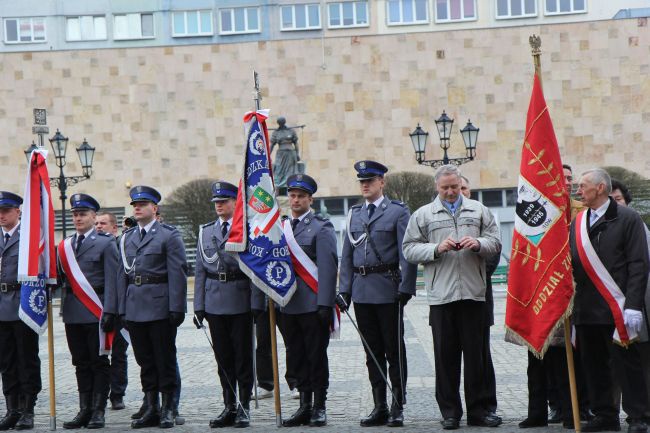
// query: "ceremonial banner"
[[540, 282], [256, 232], [36, 256]]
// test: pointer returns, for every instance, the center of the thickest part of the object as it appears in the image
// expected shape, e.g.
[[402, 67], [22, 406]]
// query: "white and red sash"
[[82, 289], [307, 270], [602, 280]]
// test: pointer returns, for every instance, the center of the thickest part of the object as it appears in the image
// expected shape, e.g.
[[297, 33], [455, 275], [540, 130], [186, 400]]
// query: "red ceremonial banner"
[[540, 281]]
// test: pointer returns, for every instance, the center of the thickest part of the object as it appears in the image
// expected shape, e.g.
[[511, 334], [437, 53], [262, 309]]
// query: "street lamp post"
[[444, 125], [60, 145]]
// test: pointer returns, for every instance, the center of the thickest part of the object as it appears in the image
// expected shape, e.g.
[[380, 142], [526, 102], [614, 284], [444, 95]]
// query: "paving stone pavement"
[[349, 394]]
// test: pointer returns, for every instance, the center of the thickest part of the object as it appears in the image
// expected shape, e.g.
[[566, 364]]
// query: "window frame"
[[293, 18], [514, 17], [451, 20], [135, 38], [354, 14], [81, 38], [192, 35], [232, 21], [573, 11], [415, 22], [31, 25]]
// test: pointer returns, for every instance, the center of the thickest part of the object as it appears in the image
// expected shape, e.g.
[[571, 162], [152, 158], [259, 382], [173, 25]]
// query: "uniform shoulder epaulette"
[[356, 206], [320, 217], [399, 203], [104, 234], [168, 227], [130, 230], [209, 224]]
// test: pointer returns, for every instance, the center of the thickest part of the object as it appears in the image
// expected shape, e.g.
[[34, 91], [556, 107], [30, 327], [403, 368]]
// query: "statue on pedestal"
[[286, 159]]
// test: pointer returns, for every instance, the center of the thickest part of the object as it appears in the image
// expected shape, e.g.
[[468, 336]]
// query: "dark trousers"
[[19, 362], [263, 358], [306, 338], [600, 358], [232, 336], [384, 332], [489, 378], [119, 365], [458, 332], [154, 347], [91, 369], [555, 364]]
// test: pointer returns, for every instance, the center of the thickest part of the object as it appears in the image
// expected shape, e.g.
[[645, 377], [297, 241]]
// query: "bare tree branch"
[[189, 206], [414, 189]]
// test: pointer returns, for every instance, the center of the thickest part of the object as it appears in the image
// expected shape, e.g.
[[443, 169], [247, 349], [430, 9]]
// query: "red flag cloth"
[[540, 281]]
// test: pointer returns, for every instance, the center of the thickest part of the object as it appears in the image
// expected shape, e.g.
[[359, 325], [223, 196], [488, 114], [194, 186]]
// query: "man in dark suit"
[[608, 243], [224, 295], [376, 276], [305, 321], [19, 362], [97, 258], [152, 298]]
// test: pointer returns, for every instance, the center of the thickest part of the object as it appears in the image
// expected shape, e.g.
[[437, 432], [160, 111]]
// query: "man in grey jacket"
[[452, 237]]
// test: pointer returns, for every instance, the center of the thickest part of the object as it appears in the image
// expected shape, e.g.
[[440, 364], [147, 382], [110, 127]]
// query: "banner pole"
[[50, 350], [535, 45], [274, 354]]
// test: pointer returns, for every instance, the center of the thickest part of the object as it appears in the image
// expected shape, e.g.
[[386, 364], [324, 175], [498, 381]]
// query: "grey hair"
[[598, 176], [447, 170], [465, 179]]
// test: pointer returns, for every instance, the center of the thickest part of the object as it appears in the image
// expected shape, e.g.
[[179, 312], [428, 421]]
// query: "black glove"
[[404, 298], [124, 322], [343, 301], [108, 322], [256, 314], [325, 315], [198, 318], [176, 318]]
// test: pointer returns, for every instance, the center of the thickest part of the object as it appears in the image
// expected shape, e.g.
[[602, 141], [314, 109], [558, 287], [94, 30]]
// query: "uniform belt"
[[375, 269], [139, 280], [9, 287], [224, 277]]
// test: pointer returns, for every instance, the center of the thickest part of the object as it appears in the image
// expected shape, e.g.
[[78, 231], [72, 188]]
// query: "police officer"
[[19, 362], [97, 258], [305, 321], [152, 297], [224, 295], [375, 275]]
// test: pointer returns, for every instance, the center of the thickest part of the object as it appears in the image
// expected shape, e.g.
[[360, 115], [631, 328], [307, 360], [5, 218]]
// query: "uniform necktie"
[[224, 228], [371, 209], [294, 223], [143, 233], [80, 240], [7, 236]]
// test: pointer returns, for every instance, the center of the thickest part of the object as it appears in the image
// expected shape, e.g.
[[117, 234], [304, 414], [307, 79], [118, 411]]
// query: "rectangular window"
[[407, 12], [516, 8], [24, 30], [239, 20], [191, 23], [348, 14], [85, 28], [492, 198], [455, 10], [300, 17], [561, 7], [133, 26]]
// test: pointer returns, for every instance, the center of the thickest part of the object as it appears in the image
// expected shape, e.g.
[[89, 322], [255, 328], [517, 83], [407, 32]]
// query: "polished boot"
[[26, 421], [151, 415], [227, 417], [140, 411], [303, 414], [379, 415], [13, 412], [99, 409], [167, 410], [318, 413], [242, 419], [396, 415], [84, 414], [117, 402]]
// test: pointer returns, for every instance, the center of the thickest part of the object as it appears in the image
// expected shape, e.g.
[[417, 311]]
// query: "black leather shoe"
[[140, 411], [85, 412], [485, 421], [586, 415], [532, 422], [26, 421], [117, 403], [450, 423], [167, 411], [600, 423], [13, 412], [151, 415], [379, 415], [319, 413], [554, 416], [396, 415], [304, 412], [225, 419], [637, 427], [99, 408], [242, 419]]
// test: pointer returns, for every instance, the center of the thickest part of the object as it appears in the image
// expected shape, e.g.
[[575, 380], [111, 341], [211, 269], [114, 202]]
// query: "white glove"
[[633, 319]]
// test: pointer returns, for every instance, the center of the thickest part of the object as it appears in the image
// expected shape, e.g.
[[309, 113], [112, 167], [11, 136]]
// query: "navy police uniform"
[[152, 289], [20, 364], [305, 321], [375, 275], [97, 256], [224, 295]]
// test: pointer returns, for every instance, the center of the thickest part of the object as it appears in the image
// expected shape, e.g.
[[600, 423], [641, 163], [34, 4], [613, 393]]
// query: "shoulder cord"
[[127, 268], [355, 242], [208, 259]]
